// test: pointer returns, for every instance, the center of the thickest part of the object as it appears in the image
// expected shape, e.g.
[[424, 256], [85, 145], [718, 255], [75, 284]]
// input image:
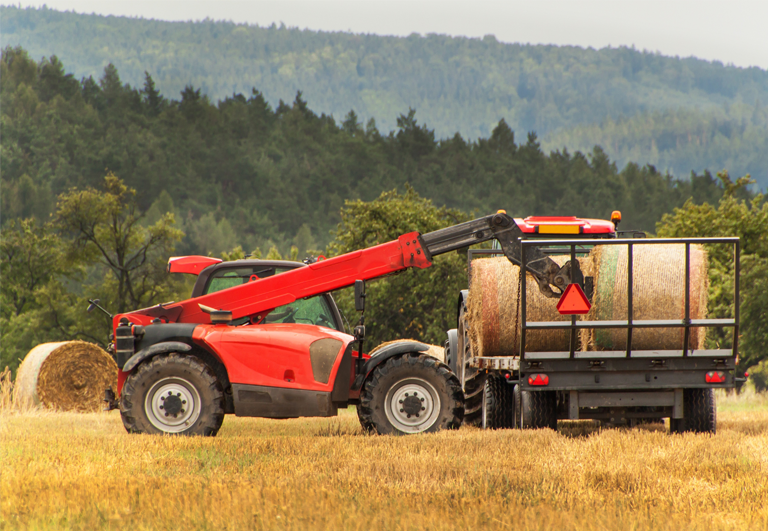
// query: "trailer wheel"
[[498, 410], [411, 394], [536, 409], [452, 350], [699, 412], [173, 394], [471, 380]]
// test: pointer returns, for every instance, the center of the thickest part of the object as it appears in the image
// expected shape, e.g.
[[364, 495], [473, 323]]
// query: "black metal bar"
[[624, 241], [565, 325], [630, 296], [573, 317], [522, 296], [687, 332]]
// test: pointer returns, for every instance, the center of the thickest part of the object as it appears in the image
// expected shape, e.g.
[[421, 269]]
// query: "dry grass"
[[82, 471]]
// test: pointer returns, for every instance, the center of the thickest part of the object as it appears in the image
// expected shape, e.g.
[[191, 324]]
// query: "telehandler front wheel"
[[174, 394], [413, 393]]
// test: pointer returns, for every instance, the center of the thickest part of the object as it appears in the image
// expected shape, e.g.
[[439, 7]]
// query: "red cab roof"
[[564, 225], [190, 264]]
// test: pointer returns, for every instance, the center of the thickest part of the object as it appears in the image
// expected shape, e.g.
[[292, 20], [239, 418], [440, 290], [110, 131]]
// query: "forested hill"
[[243, 173], [678, 114]]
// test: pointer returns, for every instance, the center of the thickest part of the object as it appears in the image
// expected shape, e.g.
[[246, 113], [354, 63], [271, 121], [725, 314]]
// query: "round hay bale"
[[434, 350], [658, 289], [67, 376], [493, 309]]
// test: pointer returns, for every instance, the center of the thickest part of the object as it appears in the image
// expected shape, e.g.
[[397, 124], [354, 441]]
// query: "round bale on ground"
[[66, 376]]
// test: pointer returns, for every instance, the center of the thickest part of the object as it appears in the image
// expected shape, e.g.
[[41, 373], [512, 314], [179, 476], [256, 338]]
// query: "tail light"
[[715, 377], [538, 379]]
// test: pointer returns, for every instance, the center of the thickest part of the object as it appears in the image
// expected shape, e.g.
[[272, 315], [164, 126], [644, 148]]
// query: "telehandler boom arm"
[[409, 250]]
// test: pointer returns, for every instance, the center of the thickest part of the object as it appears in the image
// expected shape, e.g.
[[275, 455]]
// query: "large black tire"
[[538, 409], [498, 411], [172, 394], [699, 413], [471, 380], [451, 348], [413, 393]]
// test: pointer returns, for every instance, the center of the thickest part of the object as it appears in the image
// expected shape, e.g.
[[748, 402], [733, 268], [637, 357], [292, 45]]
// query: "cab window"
[[313, 310], [230, 277]]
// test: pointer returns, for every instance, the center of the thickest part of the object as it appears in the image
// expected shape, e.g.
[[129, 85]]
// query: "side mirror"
[[359, 295], [93, 305]]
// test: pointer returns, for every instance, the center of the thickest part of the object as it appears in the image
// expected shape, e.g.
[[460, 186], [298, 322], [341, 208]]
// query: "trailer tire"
[[699, 413], [429, 393], [498, 410], [536, 409], [195, 395]]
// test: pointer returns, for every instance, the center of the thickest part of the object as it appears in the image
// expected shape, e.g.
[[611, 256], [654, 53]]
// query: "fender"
[[383, 354], [158, 348]]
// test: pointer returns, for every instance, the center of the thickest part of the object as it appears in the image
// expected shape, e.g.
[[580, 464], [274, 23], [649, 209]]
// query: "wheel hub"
[[173, 405], [412, 405]]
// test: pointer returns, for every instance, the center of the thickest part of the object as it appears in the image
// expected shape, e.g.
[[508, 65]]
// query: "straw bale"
[[434, 350], [493, 309], [658, 293], [68, 376]]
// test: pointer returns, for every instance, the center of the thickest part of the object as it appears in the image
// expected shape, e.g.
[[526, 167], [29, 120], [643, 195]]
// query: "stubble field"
[[83, 471]]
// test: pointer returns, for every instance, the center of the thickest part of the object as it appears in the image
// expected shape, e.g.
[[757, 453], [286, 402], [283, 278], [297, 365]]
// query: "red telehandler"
[[265, 339]]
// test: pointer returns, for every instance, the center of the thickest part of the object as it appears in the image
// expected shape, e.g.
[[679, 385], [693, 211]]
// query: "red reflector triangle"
[[573, 301]]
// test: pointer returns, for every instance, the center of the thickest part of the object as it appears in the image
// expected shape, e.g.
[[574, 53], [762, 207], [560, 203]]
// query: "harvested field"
[[82, 471]]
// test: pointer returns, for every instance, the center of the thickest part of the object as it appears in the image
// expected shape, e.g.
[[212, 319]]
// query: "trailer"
[[616, 387]]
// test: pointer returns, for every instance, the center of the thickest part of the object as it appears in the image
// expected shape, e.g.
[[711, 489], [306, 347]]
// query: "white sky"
[[730, 31]]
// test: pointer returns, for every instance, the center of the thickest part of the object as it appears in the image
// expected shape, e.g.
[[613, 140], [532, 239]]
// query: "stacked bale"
[[658, 293], [67, 376], [494, 315]]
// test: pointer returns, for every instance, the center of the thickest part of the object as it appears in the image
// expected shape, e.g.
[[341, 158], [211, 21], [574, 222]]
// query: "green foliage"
[[416, 304], [748, 220], [31, 257], [681, 140], [103, 227], [759, 375], [243, 173], [682, 114]]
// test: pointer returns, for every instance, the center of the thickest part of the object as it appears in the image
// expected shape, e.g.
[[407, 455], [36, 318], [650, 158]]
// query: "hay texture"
[[434, 350], [67, 376], [493, 307], [658, 293]]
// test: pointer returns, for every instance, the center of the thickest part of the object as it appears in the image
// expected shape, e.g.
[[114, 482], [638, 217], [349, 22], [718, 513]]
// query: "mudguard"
[[385, 353], [158, 348]]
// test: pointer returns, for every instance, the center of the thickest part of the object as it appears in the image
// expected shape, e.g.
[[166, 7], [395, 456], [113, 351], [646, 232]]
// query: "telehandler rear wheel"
[[175, 394], [413, 393]]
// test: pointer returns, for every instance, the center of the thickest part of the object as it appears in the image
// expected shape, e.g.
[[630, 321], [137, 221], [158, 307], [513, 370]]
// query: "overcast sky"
[[730, 31]]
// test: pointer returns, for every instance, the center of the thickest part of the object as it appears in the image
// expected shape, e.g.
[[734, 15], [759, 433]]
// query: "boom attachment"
[[503, 228]]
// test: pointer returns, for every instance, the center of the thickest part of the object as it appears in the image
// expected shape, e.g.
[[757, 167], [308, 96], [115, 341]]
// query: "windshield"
[[314, 310], [235, 276]]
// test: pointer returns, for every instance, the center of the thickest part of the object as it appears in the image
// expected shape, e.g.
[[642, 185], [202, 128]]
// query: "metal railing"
[[630, 324]]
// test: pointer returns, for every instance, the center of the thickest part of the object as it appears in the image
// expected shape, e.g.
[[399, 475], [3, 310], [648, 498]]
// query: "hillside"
[[678, 114], [242, 172]]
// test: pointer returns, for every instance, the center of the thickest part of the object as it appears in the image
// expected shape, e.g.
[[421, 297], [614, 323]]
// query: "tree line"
[[241, 172], [457, 84]]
